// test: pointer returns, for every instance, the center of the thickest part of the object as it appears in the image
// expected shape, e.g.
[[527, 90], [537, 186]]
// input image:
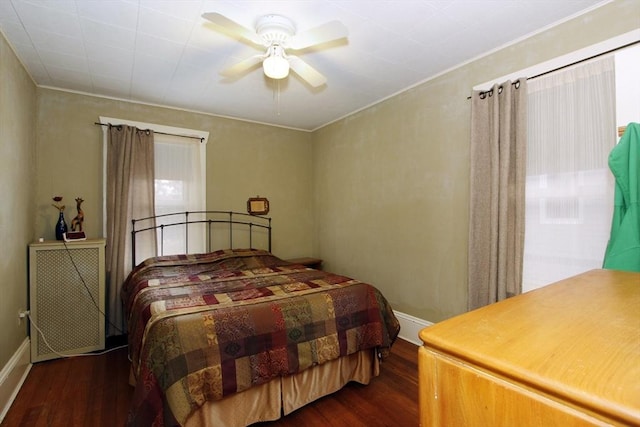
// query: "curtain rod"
[[579, 61], [161, 133]]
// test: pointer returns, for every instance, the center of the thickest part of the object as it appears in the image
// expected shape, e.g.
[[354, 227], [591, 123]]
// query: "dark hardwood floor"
[[94, 391]]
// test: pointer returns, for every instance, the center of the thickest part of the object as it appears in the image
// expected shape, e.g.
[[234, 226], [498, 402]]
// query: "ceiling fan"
[[278, 34]]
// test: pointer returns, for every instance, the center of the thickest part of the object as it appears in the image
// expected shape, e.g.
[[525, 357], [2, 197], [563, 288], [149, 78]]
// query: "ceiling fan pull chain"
[[278, 96]]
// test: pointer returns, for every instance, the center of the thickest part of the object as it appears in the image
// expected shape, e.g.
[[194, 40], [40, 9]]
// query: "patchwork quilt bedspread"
[[205, 326]]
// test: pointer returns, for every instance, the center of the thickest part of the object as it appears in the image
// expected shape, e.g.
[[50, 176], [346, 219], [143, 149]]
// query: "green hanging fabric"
[[623, 249]]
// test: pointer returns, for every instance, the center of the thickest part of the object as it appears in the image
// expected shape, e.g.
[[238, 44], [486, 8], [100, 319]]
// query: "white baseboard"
[[410, 326], [13, 375]]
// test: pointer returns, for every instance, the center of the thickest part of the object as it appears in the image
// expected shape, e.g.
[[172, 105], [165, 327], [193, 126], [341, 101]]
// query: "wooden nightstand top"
[[307, 261]]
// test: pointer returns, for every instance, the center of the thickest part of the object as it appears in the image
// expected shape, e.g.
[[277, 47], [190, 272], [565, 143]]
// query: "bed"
[[234, 336]]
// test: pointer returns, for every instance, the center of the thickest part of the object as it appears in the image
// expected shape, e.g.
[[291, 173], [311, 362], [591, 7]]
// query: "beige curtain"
[[497, 188], [130, 194]]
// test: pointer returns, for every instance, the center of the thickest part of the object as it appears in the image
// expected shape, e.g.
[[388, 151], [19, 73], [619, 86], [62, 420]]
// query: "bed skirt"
[[270, 401]]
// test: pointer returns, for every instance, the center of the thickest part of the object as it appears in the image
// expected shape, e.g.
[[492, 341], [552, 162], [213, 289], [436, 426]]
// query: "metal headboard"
[[235, 221]]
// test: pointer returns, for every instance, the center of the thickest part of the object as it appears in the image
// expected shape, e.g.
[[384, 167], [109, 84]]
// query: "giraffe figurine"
[[78, 220]]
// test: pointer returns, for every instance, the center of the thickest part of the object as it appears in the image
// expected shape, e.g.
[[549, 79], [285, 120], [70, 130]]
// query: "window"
[[180, 182], [569, 189], [180, 178], [569, 185]]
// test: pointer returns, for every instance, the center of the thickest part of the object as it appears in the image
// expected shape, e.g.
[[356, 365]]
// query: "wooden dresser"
[[564, 355]]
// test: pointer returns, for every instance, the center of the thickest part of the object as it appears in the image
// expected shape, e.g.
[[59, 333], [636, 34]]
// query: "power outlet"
[[21, 315]]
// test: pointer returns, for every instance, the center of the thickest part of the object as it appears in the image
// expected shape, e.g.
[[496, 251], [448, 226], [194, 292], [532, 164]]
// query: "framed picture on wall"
[[258, 205]]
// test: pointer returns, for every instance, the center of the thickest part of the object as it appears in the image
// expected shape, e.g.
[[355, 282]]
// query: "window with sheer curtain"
[[569, 188], [180, 187]]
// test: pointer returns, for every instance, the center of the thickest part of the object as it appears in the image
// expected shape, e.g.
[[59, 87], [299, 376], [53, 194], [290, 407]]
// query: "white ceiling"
[[163, 52]]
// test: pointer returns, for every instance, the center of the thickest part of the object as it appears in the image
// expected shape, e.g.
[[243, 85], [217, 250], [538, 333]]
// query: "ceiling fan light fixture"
[[276, 66], [278, 34]]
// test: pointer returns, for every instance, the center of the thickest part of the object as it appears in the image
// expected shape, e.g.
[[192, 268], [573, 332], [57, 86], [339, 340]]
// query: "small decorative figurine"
[[76, 223]]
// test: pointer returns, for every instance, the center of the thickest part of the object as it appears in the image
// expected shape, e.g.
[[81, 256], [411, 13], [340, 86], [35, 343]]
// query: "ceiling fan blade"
[[306, 71], [330, 31], [232, 28], [242, 66]]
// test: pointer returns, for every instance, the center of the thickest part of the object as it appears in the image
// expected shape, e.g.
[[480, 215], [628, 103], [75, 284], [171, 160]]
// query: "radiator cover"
[[69, 314]]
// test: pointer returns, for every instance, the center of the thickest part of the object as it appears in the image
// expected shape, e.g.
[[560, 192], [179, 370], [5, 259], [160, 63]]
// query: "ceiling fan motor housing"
[[275, 29]]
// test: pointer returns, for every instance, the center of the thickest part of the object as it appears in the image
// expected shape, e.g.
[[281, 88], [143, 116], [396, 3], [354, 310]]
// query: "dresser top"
[[577, 340]]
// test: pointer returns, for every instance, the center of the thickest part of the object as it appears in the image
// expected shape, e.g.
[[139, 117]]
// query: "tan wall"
[[17, 187], [243, 160], [391, 182]]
